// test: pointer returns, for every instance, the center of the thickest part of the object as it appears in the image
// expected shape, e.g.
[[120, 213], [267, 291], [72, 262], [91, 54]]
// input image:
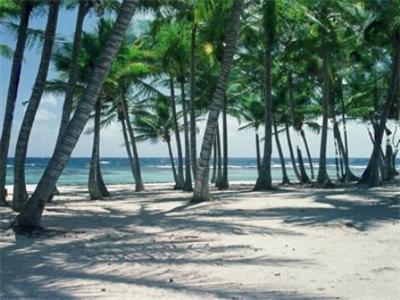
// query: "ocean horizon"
[[116, 170]]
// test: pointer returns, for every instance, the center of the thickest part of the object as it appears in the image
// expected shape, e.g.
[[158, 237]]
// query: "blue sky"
[[241, 143]]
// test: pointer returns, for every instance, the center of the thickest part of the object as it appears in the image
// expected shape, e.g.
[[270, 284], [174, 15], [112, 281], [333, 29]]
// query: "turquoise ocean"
[[158, 170]]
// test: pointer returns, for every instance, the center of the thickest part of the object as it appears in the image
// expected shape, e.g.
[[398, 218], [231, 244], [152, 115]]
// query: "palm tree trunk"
[[264, 180], [285, 178], [303, 136], [258, 155], [127, 145], [292, 158], [219, 158], [214, 171], [96, 184], [348, 174], [72, 73], [73, 69], [201, 191], [224, 183], [303, 173], [12, 96], [193, 148], [336, 156], [391, 173], [29, 218], [188, 172], [180, 180], [323, 178], [137, 174], [20, 193], [171, 157], [371, 174]]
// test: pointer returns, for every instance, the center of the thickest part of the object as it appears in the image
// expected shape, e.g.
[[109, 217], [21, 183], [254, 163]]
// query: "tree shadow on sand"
[[151, 248]]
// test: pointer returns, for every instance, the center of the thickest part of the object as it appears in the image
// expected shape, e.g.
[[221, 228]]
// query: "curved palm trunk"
[[29, 218], [179, 176], [224, 183], [20, 193], [303, 136], [137, 173], [188, 173], [292, 158], [12, 96], [72, 73], [285, 178], [73, 69], [201, 191], [371, 175], [171, 158], [127, 144], [303, 173], [348, 174], [193, 148], [97, 188], [323, 178]]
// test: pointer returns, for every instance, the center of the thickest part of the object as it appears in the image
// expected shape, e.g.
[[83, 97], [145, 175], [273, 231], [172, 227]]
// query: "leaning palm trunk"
[[137, 173], [371, 175], [193, 148], [12, 96], [303, 173], [127, 144], [73, 69], [292, 158], [171, 157], [20, 193], [188, 173], [29, 218], [224, 183], [97, 188], [285, 178], [201, 191], [179, 176], [323, 178], [72, 72], [303, 136], [348, 174]]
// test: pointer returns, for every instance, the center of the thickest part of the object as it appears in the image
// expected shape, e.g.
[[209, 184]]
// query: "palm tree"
[[173, 49], [12, 95], [201, 191], [97, 188], [153, 121], [371, 175], [83, 9], [251, 111], [322, 177], [264, 180], [20, 193], [29, 218]]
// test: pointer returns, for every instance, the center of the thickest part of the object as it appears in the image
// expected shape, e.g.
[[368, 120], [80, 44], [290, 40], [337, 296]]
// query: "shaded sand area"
[[285, 244]]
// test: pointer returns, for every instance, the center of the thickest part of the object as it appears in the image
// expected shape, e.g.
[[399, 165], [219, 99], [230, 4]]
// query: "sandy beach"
[[292, 243]]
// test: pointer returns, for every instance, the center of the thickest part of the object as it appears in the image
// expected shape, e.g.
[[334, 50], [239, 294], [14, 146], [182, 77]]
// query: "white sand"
[[287, 244]]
